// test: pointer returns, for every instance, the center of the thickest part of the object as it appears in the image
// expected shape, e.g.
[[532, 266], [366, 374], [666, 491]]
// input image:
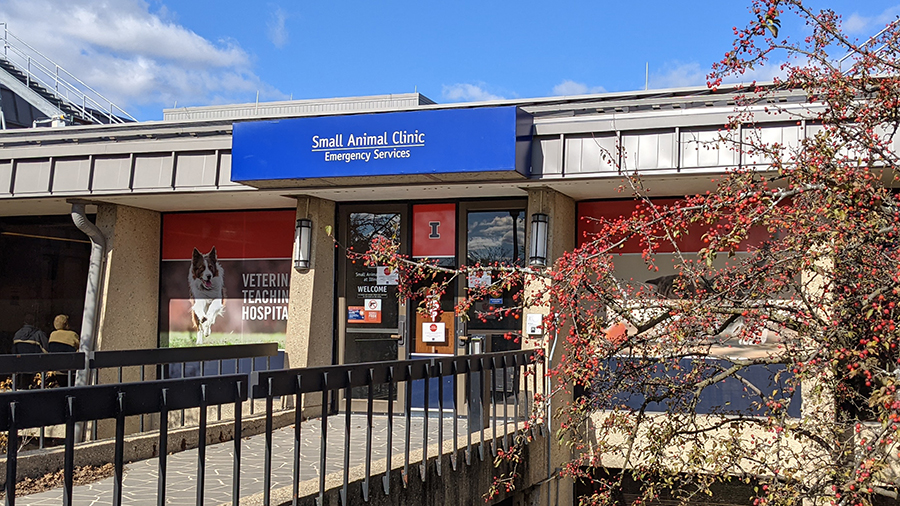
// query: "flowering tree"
[[764, 351]]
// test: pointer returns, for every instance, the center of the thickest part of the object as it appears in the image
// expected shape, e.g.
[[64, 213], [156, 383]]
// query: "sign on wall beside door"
[[434, 231]]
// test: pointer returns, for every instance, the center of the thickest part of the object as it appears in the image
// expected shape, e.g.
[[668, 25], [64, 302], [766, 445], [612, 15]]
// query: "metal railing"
[[40, 69], [71, 405], [325, 380], [166, 363], [509, 380]]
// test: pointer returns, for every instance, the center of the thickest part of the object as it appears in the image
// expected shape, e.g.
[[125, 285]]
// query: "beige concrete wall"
[[310, 325], [129, 306], [129, 293], [561, 238]]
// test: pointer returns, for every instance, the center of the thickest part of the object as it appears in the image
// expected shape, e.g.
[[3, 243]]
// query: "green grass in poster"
[[186, 339]]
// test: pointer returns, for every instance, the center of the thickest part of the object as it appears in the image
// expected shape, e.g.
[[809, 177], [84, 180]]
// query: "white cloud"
[[678, 75], [134, 56], [866, 26], [681, 75], [569, 87], [465, 92], [276, 29]]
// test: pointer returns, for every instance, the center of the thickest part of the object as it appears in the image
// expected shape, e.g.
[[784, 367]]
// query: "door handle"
[[400, 336]]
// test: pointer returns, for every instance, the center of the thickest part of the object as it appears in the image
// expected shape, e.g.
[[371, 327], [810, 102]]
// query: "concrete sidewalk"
[[140, 482]]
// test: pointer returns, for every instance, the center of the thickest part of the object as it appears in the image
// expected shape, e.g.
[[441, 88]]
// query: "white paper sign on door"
[[433, 332], [386, 276]]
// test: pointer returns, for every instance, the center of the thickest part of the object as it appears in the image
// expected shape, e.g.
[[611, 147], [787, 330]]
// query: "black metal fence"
[[155, 363], [71, 405], [499, 386]]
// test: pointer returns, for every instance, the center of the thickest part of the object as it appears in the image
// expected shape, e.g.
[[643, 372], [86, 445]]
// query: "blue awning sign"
[[444, 144]]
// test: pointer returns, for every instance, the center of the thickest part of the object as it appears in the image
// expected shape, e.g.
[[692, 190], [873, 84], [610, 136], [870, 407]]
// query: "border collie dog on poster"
[[206, 279]]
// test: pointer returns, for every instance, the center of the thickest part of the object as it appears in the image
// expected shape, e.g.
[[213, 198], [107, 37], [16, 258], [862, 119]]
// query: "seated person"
[[29, 339], [63, 339]]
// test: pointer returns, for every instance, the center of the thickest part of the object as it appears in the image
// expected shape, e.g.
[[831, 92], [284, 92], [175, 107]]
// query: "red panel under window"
[[613, 209]]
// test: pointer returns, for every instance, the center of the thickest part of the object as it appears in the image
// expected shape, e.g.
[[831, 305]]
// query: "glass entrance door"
[[371, 319], [495, 235]]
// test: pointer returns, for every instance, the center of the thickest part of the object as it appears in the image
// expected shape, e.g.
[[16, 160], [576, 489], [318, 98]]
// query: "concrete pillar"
[[561, 238], [129, 294], [129, 307], [310, 324]]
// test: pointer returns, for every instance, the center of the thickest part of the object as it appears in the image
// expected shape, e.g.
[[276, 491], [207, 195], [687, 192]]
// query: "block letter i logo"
[[434, 230]]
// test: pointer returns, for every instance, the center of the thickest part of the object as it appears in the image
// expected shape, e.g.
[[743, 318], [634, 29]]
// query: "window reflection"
[[496, 237]]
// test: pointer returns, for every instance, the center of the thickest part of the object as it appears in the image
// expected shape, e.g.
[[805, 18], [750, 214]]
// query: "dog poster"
[[225, 277]]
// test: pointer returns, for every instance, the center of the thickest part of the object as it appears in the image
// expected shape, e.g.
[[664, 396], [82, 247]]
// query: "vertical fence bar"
[[12, 447], [163, 447], [516, 408], [69, 463], [43, 386], [236, 464], [118, 458], [454, 371], [252, 368], [386, 479], [93, 379], [505, 404], [142, 380], [483, 408], [348, 397], [493, 401], [468, 367], [183, 376], [408, 424], [298, 418], [219, 406], [423, 466], [440, 454], [323, 441], [370, 407], [267, 458], [201, 447]]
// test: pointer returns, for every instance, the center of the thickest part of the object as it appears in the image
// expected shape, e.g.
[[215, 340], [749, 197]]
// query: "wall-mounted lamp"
[[539, 224], [302, 244]]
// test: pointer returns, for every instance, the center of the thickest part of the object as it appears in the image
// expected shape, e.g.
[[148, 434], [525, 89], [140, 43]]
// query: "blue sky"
[[148, 55]]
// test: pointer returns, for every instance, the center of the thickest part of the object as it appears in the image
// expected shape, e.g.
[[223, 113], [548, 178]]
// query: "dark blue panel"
[[442, 141], [727, 396], [232, 366], [417, 391]]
